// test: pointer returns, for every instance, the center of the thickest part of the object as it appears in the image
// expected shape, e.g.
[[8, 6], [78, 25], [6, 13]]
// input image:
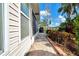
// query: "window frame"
[[27, 16], [2, 49], [5, 27]]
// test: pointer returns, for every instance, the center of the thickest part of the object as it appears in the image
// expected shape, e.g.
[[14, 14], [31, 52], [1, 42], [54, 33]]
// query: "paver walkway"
[[42, 47]]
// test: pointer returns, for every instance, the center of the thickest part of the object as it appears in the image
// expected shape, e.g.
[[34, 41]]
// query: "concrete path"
[[42, 47]]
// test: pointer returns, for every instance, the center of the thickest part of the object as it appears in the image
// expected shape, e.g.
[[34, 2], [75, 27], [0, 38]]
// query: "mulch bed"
[[64, 50], [67, 51]]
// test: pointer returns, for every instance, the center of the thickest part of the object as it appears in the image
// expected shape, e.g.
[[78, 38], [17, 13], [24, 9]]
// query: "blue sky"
[[55, 17]]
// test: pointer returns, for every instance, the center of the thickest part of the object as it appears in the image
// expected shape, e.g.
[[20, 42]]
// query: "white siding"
[[13, 28], [16, 46]]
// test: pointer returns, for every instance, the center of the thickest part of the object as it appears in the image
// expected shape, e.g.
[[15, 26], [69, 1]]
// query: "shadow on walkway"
[[47, 44], [40, 53], [41, 47]]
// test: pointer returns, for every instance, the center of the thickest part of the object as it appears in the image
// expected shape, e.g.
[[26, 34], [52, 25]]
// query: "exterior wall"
[[34, 24], [32, 19], [16, 46], [13, 28]]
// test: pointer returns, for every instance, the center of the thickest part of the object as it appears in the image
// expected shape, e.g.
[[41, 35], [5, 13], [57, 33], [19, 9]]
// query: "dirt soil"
[[67, 51]]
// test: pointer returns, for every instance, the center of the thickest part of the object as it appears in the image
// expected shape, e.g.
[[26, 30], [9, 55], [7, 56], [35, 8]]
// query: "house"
[[18, 27]]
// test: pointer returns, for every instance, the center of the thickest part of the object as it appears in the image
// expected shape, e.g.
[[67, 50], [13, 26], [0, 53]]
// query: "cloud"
[[41, 17], [50, 25], [57, 24], [53, 24], [44, 13], [61, 18]]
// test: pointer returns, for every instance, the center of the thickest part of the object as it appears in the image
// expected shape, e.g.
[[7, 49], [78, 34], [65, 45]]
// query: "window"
[[1, 28], [25, 8], [24, 20], [24, 26]]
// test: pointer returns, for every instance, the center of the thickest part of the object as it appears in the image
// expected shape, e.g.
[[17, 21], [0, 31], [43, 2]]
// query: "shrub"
[[61, 37]]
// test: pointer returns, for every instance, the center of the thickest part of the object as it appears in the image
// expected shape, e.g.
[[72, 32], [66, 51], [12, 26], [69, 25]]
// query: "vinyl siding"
[[13, 28], [16, 46]]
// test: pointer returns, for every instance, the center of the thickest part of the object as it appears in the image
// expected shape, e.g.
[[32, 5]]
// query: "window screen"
[[24, 26]]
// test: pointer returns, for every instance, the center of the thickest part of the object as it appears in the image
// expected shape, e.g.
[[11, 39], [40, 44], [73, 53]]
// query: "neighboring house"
[[18, 27]]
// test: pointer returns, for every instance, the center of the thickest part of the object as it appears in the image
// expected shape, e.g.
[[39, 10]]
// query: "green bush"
[[76, 28], [61, 37]]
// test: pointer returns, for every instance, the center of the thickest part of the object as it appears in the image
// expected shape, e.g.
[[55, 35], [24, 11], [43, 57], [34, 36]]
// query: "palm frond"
[[60, 9]]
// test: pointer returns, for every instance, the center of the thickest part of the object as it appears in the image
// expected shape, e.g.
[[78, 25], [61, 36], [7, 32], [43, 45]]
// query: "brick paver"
[[42, 47]]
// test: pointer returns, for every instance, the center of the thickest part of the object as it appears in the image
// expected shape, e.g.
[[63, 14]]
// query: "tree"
[[62, 26], [76, 26], [43, 23], [65, 9], [74, 6], [68, 9]]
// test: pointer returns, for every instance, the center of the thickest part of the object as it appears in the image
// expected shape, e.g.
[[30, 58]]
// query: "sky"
[[54, 16]]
